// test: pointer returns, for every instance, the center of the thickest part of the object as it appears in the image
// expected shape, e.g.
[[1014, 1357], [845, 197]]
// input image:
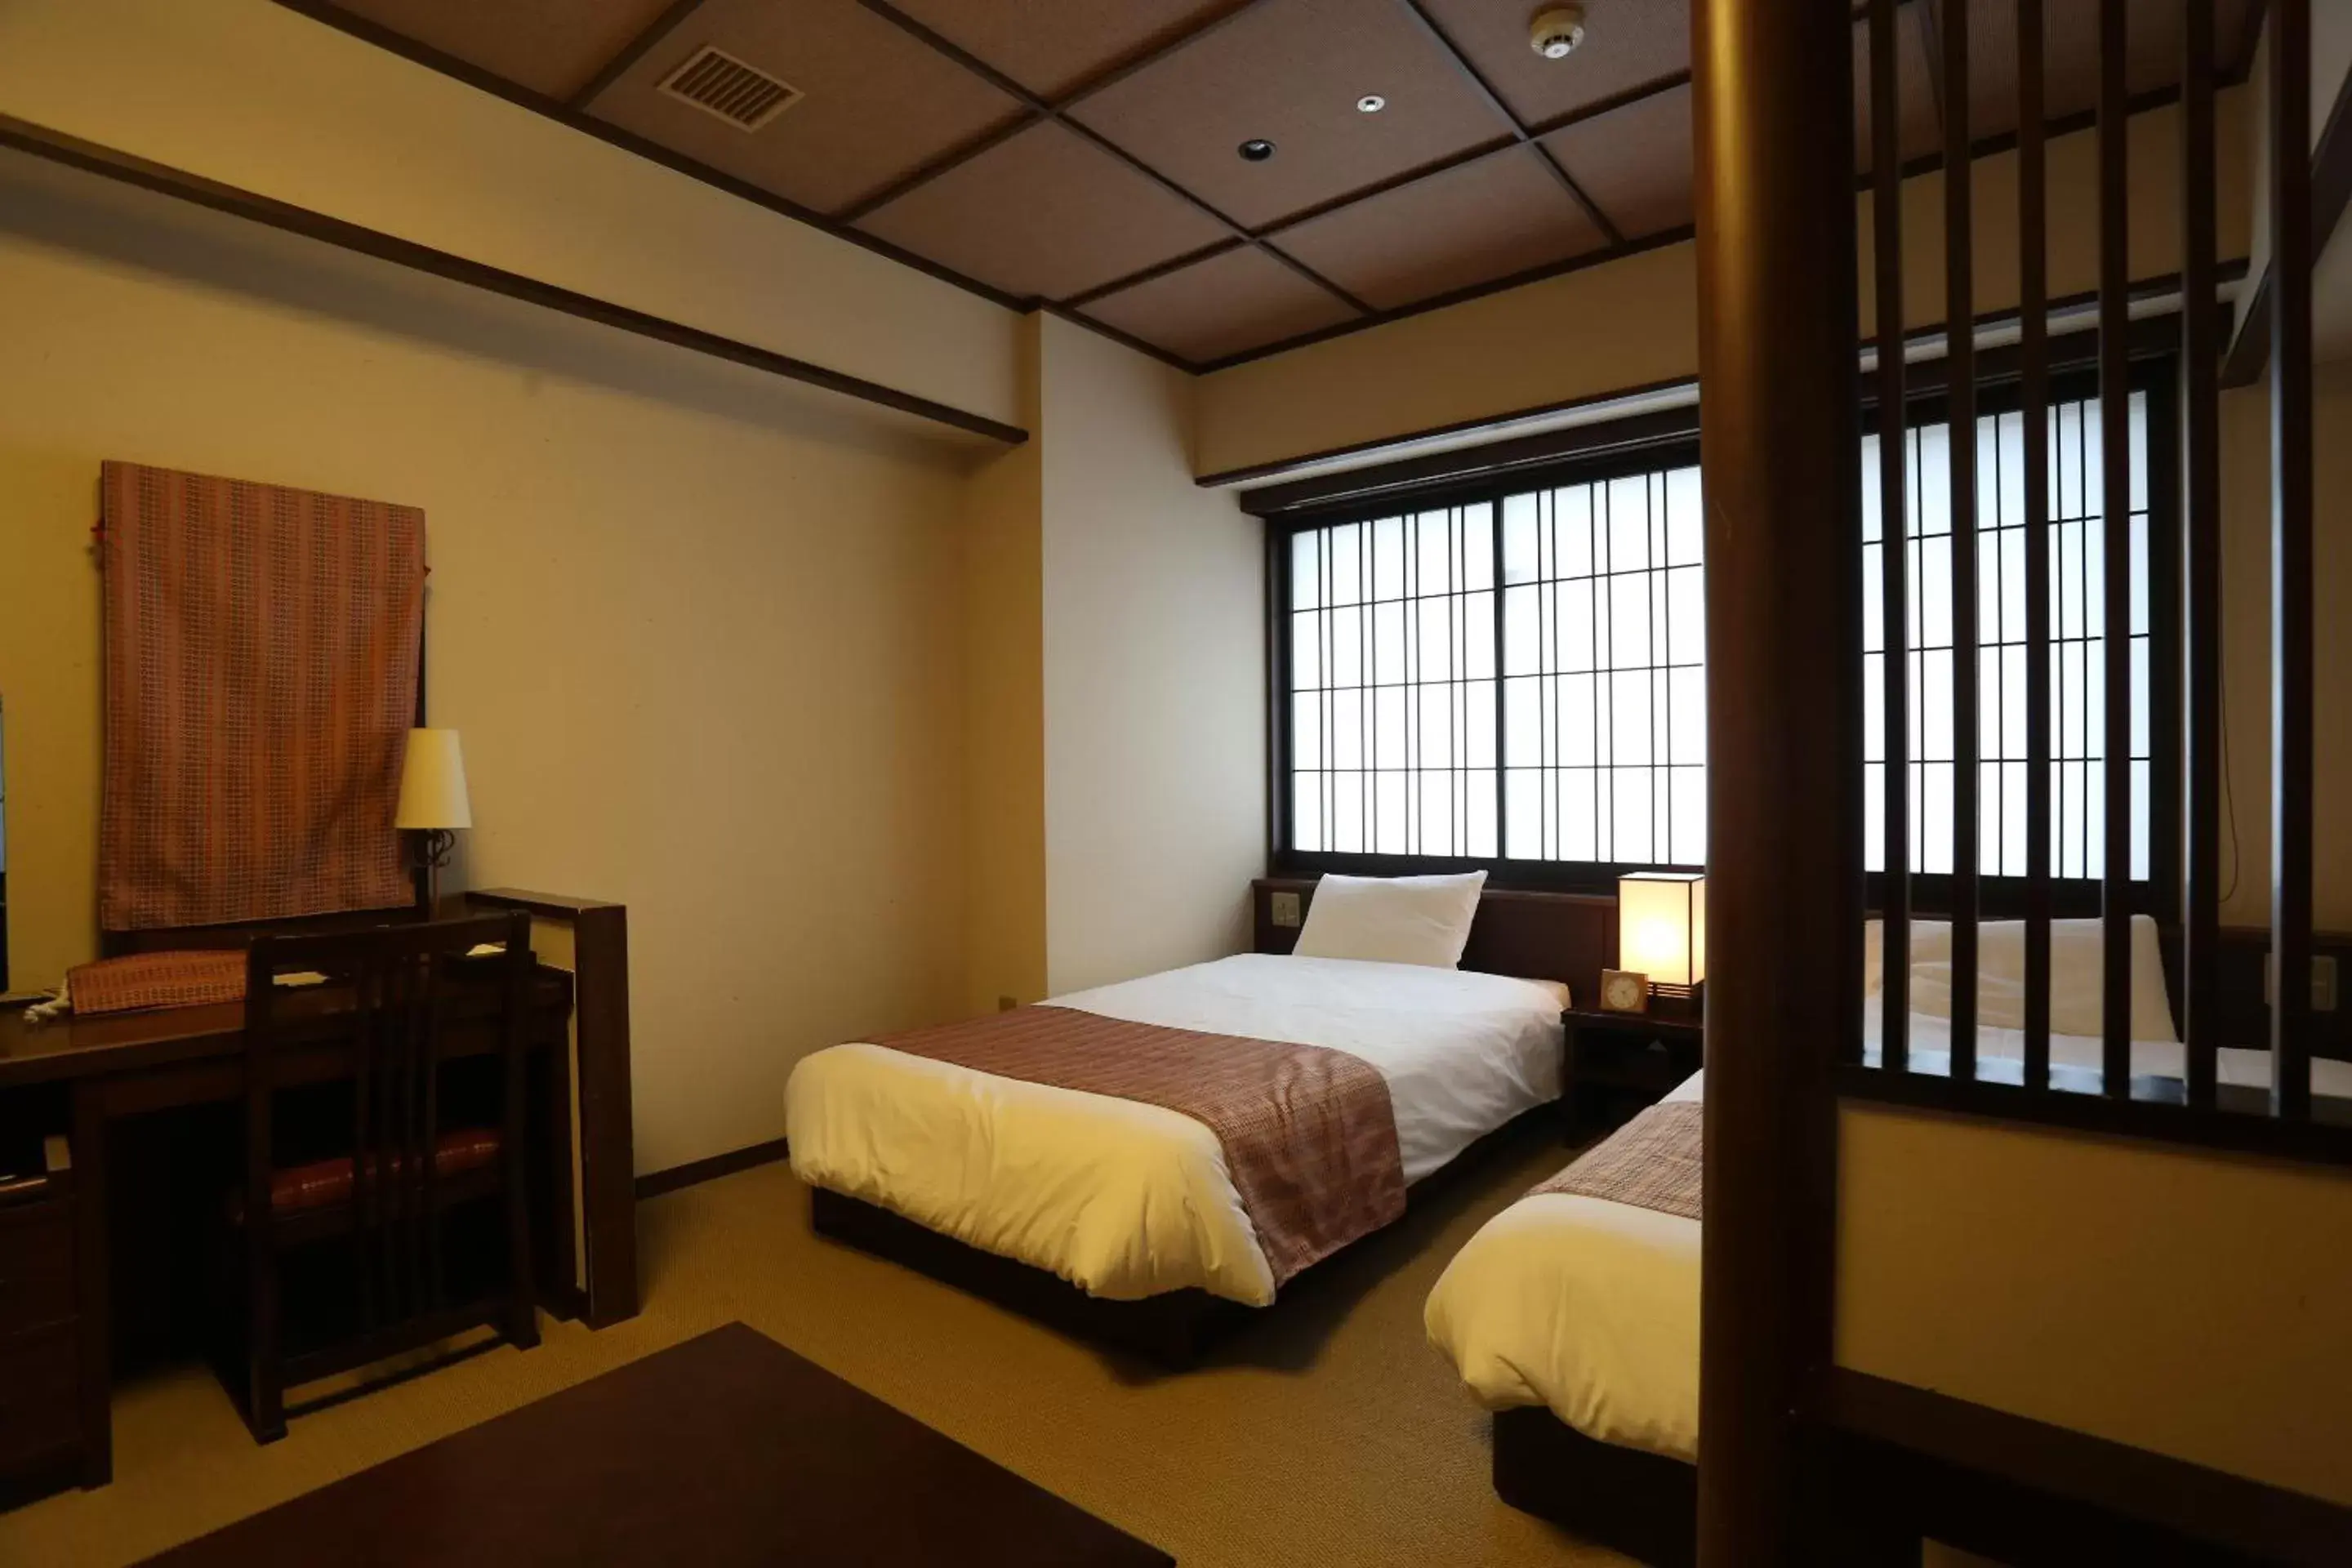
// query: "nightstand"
[[1616, 1063]]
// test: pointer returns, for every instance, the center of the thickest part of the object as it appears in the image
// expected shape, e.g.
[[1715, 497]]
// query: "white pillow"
[[1391, 919], [2076, 1002]]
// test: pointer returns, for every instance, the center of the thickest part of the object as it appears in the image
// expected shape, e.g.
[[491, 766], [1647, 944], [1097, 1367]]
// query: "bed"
[[1127, 1219], [1576, 1319]]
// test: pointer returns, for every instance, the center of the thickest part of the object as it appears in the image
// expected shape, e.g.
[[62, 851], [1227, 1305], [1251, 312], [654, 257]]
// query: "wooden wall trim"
[[1467, 462], [653, 1183], [2028, 1491], [125, 168], [2238, 1124]]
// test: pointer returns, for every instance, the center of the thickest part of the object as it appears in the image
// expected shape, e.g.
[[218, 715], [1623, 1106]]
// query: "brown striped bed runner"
[[1652, 1163], [1309, 1134]]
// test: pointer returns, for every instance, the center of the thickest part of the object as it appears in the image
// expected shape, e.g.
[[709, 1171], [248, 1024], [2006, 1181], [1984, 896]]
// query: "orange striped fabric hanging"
[[261, 678]]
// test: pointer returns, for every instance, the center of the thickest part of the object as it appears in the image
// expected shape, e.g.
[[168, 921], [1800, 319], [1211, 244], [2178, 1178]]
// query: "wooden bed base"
[[1170, 1330], [1644, 1505]]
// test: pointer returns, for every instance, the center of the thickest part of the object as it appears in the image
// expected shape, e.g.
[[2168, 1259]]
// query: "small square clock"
[[1625, 991]]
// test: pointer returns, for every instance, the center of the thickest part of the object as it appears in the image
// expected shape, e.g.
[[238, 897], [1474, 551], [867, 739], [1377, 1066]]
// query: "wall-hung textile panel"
[[261, 669]]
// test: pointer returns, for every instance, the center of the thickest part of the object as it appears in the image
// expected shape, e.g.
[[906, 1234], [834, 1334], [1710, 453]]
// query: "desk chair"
[[399, 1007]]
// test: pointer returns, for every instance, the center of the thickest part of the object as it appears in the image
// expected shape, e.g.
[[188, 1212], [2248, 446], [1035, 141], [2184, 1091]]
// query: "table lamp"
[[432, 803], [1661, 931]]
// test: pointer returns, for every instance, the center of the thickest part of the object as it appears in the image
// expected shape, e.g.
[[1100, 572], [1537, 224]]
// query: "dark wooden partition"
[[2291, 558], [2137, 739], [2200, 431], [1894, 513], [2110, 537], [1961, 473], [2033, 406]]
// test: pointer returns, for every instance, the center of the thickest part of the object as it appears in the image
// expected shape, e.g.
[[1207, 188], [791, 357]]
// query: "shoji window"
[[1604, 672], [1519, 675], [2078, 639], [1392, 692]]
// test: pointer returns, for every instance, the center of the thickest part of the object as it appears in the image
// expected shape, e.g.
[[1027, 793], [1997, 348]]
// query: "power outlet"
[[1283, 908]]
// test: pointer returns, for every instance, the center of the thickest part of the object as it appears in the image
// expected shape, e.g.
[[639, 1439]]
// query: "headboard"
[[1567, 937]]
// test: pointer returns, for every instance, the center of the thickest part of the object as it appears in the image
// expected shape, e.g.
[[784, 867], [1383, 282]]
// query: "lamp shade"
[[433, 783], [1662, 926]]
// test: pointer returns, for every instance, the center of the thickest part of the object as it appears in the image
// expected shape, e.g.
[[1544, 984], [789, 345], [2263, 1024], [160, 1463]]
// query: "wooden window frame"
[[1654, 442]]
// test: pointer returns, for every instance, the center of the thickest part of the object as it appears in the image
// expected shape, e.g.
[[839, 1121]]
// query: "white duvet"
[[1127, 1200]]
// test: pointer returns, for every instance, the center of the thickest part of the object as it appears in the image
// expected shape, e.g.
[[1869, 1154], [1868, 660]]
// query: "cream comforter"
[[1591, 1308], [1127, 1200]]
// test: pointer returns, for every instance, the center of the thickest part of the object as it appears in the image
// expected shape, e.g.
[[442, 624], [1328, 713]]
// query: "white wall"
[[1155, 684]]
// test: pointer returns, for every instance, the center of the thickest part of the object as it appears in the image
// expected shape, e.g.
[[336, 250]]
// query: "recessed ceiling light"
[[1371, 103], [1256, 150]]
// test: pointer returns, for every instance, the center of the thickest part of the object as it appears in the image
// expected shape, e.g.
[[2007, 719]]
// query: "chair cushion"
[[322, 1183]]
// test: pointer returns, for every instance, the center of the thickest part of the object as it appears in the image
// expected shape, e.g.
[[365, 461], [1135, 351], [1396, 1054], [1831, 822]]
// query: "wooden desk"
[[100, 1070]]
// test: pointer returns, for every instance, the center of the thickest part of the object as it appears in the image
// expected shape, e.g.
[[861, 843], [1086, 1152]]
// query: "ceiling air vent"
[[715, 82]]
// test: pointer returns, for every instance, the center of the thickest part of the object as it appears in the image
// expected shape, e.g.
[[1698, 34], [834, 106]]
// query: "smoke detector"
[[1556, 31]]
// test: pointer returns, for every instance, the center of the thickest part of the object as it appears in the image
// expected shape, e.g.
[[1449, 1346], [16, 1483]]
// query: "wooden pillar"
[[1780, 448]]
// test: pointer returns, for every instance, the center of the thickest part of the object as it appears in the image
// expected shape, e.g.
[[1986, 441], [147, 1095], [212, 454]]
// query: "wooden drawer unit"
[[41, 1399], [37, 1266], [1619, 1062], [44, 1354]]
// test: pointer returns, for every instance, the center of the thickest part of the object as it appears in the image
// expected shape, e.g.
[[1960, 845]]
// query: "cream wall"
[[699, 628], [1633, 322], [2246, 588], [1154, 675], [260, 97], [1004, 720], [2188, 1302]]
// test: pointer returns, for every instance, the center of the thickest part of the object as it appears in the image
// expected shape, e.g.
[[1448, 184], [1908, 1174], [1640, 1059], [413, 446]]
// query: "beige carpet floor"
[[1327, 1432]]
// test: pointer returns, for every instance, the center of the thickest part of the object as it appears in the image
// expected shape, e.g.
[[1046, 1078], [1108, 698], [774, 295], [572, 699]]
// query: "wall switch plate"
[[1285, 908]]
